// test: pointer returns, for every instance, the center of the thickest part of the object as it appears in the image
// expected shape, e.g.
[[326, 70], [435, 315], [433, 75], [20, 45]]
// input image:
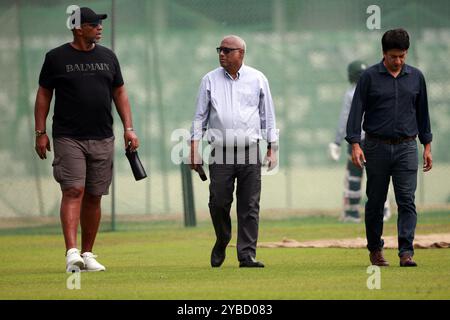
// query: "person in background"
[[353, 175]]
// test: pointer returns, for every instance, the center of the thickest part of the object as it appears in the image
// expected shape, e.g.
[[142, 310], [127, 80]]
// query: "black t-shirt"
[[83, 83]]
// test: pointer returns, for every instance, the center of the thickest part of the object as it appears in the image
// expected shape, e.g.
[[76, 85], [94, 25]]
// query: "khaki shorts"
[[84, 163]]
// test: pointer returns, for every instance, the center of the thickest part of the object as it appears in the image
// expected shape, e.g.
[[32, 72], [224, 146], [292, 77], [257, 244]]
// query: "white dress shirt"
[[234, 112]]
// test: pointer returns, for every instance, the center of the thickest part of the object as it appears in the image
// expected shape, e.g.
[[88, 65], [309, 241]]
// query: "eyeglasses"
[[93, 24], [226, 50]]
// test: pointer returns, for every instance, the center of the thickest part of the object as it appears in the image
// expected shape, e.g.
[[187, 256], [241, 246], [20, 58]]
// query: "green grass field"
[[164, 260]]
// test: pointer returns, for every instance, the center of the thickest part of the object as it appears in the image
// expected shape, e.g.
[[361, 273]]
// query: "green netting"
[[165, 47]]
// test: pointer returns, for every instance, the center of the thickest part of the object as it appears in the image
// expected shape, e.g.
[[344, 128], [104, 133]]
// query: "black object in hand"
[[136, 165], [201, 173]]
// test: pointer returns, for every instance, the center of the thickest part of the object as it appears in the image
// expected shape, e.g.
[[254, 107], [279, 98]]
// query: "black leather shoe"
[[251, 263], [217, 256]]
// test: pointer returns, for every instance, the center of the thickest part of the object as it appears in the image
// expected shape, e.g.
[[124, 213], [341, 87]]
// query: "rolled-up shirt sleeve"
[[201, 117], [423, 116], [356, 113], [267, 112]]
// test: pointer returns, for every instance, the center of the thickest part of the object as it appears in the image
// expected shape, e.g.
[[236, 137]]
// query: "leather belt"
[[235, 146], [391, 140]]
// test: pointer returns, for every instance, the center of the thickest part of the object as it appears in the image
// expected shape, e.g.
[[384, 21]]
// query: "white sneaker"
[[90, 264], [74, 262]]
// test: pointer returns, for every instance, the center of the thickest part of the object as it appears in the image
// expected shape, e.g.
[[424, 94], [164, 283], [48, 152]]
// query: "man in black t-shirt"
[[85, 77]]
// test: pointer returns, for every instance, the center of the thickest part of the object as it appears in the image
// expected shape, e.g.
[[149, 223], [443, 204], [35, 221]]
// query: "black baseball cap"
[[84, 15], [88, 15]]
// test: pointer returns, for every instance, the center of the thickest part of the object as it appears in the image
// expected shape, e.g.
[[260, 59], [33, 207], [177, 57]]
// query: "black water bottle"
[[136, 165]]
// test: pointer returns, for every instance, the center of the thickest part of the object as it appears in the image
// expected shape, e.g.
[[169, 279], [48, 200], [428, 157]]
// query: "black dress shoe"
[[217, 255], [251, 263]]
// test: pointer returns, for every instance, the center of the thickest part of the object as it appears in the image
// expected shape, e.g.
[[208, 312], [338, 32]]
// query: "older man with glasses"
[[86, 77], [235, 108]]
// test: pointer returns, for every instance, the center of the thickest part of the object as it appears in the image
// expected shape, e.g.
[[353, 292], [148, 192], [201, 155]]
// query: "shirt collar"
[[382, 68], [239, 73]]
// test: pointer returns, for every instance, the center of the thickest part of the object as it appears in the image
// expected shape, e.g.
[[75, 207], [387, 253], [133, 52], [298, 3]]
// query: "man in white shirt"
[[235, 110]]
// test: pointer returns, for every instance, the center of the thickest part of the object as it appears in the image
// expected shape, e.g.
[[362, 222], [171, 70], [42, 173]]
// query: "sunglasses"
[[226, 50], [93, 24]]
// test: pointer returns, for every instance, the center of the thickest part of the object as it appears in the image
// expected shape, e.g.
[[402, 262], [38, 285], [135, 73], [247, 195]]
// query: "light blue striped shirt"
[[234, 111]]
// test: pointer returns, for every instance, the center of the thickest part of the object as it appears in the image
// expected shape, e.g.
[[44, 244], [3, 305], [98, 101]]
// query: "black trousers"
[[247, 175], [399, 161]]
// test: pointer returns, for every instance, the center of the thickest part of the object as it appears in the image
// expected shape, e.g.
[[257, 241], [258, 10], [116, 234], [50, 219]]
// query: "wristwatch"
[[39, 133]]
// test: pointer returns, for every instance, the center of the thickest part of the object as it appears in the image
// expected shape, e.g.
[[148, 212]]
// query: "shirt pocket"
[[379, 94], [248, 97]]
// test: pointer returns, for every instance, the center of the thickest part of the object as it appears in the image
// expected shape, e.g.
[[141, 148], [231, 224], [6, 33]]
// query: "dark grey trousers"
[[248, 190], [401, 162]]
